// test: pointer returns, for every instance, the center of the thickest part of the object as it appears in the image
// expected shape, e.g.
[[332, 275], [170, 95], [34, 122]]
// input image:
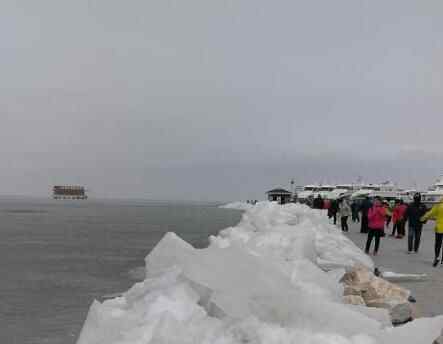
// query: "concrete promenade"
[[393, 257]]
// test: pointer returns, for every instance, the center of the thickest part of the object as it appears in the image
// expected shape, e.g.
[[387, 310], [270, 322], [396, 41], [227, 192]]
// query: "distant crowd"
[[376, 216]]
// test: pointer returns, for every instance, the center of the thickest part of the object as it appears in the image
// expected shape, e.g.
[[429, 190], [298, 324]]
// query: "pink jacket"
[[377, 217], [399, 212]]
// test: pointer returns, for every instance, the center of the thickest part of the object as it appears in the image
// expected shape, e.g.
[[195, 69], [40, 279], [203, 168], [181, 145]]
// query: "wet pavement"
[[393, 256]]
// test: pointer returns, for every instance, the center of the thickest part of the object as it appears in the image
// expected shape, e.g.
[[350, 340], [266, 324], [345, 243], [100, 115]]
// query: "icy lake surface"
[[57, 256]]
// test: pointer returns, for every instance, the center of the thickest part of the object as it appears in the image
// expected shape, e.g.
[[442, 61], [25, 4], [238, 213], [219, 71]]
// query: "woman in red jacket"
[[395, 218], [376, 223], [401, 222]]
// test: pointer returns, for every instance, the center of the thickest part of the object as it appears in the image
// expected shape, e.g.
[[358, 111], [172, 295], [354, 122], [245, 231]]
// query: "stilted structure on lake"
[[69, 192]]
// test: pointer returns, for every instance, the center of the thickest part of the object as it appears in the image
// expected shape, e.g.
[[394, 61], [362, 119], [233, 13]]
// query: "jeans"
[[438, 242], [414, 235], [394, 228], [374, 233], [401, 227]]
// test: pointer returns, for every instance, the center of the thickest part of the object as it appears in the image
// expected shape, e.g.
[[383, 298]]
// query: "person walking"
[[330, 209], [318, 202], [395, 217], [388, 217], [344, 210], [333, 210], [398, 219], [415, 211], [401, 222], [436, 214], [354, 210], [365, 206], [376, 224], [326, 204], [310, 201]]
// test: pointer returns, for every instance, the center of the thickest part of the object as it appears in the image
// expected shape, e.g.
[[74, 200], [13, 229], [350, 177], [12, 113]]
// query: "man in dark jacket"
[[318, 202], [355, 209], [413, 214], [365, 206], [333, 209]]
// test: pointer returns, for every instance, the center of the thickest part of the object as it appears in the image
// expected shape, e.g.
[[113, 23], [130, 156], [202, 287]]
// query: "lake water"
[[56, 257]]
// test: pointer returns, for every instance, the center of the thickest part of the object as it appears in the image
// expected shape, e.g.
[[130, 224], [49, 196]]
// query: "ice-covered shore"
[[273, 278], [237, 205]]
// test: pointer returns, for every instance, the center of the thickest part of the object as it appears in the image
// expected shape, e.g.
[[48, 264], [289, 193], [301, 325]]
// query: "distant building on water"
[[69, 192], [279, 195]]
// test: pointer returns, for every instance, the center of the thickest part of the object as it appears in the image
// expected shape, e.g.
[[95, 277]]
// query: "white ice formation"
[[237, 205], [273, 278], [396, 277]]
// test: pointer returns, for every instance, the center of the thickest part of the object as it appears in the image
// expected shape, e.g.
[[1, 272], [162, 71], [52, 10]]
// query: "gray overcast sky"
[[218, 100]]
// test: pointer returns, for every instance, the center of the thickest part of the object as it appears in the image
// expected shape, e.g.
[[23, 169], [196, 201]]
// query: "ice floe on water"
[[238, 206], [273, 278], [137, 274]]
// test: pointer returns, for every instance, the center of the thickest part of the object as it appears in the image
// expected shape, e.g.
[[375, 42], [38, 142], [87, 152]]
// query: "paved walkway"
[[393, 257]]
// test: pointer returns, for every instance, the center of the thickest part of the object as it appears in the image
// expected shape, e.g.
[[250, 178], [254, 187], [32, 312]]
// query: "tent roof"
[[279, 191]]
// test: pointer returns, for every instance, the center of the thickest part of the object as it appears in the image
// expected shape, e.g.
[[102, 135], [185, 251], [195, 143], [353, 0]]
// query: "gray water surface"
[[56, 257]]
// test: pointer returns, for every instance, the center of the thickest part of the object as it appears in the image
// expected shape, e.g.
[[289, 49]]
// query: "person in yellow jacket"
[[436, 214]]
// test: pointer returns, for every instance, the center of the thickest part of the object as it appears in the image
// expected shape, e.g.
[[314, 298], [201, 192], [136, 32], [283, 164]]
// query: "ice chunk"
[[379, 314], [148, 311], [294, 231], [237, 205], [137, 274], [396, 277], [245, 284]]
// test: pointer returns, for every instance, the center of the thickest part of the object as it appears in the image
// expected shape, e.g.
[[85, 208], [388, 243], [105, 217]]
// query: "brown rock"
[[354, 300], [359, 275], [353, 290], [362, 287], [380, 289]]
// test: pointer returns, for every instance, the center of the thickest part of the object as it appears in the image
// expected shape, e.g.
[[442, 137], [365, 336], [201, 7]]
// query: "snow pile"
[[293, 231], [238, 206], [258, 282]]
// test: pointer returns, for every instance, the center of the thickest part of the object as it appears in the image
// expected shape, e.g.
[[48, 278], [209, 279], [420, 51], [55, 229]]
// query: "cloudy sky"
[[218, 100]]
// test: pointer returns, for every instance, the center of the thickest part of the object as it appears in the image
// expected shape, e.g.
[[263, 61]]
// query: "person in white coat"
[[344, 211]]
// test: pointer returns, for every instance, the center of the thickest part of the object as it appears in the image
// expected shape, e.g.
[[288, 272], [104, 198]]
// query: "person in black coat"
[[413, 214], [318, 203], [355, 210], [365, 206], [333, 209]]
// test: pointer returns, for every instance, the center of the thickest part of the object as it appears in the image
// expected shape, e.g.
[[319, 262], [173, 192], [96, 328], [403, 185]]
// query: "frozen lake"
[[57, 256]]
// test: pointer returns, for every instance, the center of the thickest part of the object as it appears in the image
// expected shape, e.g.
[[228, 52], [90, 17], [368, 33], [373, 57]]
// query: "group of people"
[[336, 209], [377, 215], [396, 212]]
